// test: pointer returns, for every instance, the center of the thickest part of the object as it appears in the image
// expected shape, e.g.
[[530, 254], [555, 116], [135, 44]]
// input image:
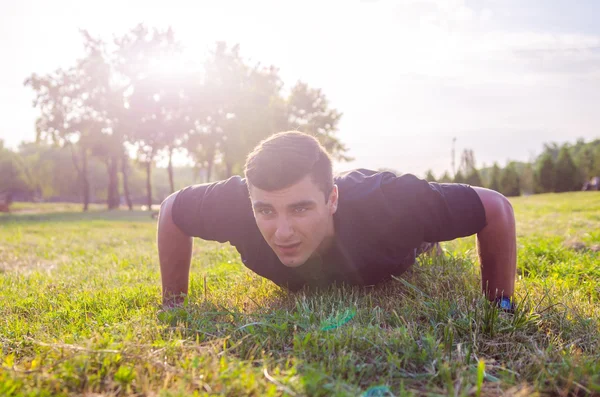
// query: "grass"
[[80, 315]]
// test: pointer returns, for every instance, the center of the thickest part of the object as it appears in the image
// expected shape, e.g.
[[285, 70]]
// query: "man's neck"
[[328, 241]]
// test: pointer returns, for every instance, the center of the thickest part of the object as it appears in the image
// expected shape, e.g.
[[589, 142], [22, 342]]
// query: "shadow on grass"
[[67, 217]]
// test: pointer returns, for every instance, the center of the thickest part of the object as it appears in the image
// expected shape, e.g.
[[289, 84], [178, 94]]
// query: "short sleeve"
[[444, 211], [216, 211]]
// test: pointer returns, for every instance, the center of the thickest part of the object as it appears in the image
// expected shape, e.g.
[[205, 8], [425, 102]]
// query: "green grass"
[[80, 301]]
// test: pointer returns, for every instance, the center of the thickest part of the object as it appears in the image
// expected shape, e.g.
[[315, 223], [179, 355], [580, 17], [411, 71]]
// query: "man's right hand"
[[174, 254]]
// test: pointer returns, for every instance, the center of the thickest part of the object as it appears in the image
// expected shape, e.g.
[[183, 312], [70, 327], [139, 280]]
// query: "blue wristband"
[[505, 304]]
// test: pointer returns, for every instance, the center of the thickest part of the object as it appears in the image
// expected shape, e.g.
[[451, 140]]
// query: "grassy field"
[[80, 301]]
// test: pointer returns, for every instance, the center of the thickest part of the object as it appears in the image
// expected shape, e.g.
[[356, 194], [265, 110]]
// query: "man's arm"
[[174, 254], [497, 245]]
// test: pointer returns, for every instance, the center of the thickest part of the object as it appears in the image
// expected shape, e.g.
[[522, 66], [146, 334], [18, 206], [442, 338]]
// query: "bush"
[[545, 173], [566, 173], [510, 181]]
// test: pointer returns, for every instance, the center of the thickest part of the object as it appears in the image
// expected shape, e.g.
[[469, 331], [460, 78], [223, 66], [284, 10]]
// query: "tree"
[[468, 170], [429, 176], [445, 178], [527, 180], [155, 104], [494, 183], [210, 108], [596, 169], [473, 178], [467, 161], [566, 173], [240, 105], [308, 111], [100, 101], [586, 162], [202, 145], [63, 119], [106, 147], [13, 174], [50, 171], [509, 181], [552, 149], [459, 178], [136, 98], [545, 173], [75, 109]]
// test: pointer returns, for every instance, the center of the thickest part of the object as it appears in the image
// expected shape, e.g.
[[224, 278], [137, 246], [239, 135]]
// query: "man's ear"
[[333, 200]]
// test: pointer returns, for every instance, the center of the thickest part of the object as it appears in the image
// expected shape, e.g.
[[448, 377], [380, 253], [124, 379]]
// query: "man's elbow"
[[497, 207], [166, 208], [166, 227], [505, 208], [169, 235]]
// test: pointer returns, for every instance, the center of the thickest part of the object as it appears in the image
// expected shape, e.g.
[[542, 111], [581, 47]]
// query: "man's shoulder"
[[226, 195], [233, 187], [362, 179], [360, 176]]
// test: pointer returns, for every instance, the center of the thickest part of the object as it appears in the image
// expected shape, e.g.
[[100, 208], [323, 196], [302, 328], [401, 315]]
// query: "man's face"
[[295, 221]]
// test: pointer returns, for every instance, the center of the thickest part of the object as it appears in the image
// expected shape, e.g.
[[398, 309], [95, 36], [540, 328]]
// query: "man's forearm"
[[174, 253], [497, 246]]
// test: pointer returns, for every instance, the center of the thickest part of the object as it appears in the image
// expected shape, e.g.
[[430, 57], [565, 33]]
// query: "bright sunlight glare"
[[171, 66]]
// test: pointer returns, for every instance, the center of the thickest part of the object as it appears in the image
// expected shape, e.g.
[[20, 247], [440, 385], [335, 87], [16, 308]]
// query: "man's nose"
[[284, 231]]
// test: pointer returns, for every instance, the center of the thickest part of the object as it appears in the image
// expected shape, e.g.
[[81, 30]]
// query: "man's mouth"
[[287, 248]]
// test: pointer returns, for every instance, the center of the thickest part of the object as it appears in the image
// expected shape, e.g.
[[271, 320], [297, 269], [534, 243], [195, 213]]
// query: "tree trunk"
[[125, 173], [170, 170], [229, 167], [85, 183], [113, 183], [149, 184]]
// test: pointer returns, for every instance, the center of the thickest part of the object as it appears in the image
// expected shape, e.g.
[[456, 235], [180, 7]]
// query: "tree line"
[[133, 101], [557, 169], [43, 170]]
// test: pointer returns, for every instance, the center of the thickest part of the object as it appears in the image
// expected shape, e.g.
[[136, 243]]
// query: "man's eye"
[[265, 211], [300, 210]]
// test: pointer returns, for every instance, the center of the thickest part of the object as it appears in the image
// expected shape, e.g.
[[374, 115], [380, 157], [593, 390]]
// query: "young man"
[[295, 224]]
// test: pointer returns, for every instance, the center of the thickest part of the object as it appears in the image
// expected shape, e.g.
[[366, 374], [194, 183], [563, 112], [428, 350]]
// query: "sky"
[[501, 76]]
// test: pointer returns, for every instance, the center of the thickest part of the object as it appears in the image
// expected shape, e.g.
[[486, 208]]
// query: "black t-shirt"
[[380, 221]]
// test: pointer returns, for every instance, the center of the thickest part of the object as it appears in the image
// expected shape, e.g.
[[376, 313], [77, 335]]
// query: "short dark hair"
[[285, 158]]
